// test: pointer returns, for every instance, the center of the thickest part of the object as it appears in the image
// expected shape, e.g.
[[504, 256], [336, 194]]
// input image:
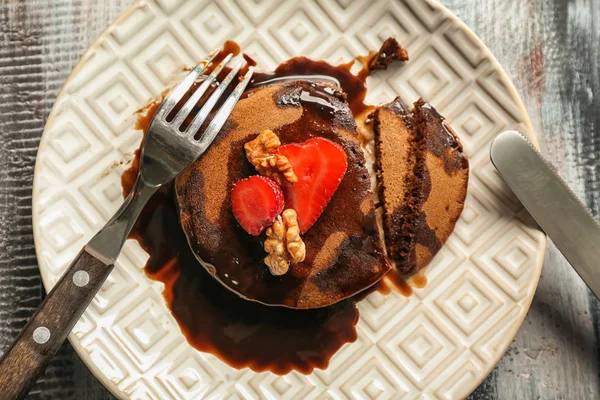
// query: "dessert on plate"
[[307, 198], [291, 155]]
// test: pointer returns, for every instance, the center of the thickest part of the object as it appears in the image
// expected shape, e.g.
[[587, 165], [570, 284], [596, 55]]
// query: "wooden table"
[[548, 47]]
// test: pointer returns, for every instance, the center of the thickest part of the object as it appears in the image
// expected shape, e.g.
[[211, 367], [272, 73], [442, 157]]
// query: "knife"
[[551, 202]]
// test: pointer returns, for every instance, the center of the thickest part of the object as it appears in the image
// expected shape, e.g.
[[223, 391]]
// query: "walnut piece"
[[295, 245], [277, 260], [284, 243], [261, 153], [264, 145], [274, 167]]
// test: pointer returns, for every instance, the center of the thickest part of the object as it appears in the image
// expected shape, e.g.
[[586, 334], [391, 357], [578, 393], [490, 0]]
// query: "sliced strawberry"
[[320, 166], [256, 202]]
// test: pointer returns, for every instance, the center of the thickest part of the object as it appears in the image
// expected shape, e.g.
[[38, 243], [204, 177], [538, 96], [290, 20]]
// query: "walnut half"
[[261, 153], [284, 243]]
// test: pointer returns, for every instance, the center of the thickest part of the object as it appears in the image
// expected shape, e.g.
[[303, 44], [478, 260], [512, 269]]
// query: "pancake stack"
[[344, 251]]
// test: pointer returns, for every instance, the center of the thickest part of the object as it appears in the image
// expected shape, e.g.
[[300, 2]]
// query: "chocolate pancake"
[[344, 251], [423, 174]]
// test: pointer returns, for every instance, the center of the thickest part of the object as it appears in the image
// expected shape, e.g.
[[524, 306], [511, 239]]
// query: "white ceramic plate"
[[439, 343]]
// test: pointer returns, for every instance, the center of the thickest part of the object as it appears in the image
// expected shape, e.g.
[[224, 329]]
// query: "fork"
[[168, 149]]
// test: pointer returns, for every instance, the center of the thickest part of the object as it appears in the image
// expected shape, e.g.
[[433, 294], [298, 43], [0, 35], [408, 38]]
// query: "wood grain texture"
[[40, 42], [25, 361], [548, 47]]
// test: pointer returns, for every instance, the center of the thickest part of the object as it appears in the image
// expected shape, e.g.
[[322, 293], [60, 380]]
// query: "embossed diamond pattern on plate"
[[439, 343]]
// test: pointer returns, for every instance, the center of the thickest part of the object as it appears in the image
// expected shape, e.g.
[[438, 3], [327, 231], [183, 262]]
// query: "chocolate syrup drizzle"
[[214, 319]]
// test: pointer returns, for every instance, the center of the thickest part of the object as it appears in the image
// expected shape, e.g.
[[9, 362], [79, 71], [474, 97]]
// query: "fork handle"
[[45, 332]]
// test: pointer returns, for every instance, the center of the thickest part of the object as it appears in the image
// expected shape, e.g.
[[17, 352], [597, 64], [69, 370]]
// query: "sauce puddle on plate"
[[215, 320]]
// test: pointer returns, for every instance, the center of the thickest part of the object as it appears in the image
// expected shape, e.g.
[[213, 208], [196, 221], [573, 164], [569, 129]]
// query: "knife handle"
[[48, 328]]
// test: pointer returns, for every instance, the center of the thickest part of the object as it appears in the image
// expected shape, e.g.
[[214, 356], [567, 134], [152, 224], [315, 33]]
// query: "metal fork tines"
[[186, 110], [189, 105], [167, 150]]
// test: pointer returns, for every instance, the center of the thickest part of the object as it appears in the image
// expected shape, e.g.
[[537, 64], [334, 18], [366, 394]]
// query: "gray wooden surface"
[[548, 47]]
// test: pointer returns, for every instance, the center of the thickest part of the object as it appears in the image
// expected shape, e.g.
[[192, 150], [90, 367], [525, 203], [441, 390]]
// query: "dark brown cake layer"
[[398, 167], [423, 174], [344, 253]]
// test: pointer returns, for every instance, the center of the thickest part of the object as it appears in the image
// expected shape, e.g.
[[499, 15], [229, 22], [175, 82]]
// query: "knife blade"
[[554, 206]]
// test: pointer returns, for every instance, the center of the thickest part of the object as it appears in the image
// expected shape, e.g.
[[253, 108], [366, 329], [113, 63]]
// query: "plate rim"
[[496, 66]]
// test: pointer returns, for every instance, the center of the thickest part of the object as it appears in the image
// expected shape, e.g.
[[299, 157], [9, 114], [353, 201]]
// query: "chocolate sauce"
[[419, 281], [214, 319], [354, 85], [431, 121], [229, 47], [395, 281]]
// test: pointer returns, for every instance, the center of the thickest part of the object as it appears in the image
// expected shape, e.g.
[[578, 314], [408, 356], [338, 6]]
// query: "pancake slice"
[[422, 176]]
